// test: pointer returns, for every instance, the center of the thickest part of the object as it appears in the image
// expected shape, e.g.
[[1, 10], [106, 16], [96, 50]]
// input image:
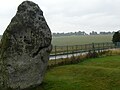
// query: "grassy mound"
[[92, 74]]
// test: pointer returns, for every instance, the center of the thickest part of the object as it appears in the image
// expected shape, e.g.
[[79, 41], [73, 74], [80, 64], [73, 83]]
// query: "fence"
[[62, 52]]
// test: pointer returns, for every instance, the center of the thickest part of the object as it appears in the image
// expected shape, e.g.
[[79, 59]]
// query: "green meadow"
[[79, 40], [92, 74]]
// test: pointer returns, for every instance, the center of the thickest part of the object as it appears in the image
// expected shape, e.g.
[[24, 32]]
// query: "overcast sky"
[[70, 15]]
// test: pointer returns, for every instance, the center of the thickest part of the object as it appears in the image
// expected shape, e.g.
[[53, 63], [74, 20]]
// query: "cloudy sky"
[[70, 15]]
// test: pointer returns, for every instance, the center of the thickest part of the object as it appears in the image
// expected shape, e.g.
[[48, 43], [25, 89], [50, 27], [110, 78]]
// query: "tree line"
[[82, 33]]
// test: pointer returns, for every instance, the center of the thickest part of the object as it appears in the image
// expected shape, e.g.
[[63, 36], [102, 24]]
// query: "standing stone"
[[26, 45]]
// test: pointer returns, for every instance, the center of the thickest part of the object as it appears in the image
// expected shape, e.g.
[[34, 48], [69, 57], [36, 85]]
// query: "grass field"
[[92, 74], [79, 40]]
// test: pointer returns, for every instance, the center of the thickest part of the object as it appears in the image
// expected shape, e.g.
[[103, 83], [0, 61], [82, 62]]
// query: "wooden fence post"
[[55, 54], [76, 50], [73, 50], [93, 47], [85, 47], [103, 46], [98, 48], [67, 52]]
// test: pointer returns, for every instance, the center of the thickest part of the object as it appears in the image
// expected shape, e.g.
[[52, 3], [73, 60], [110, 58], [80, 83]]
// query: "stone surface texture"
[[25, 48]]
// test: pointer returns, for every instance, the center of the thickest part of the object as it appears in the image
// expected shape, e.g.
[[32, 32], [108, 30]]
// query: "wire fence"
[[65, 52]]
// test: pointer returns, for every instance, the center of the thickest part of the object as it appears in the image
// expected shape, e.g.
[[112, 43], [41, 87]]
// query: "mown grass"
[[79, 40], [93, 74]]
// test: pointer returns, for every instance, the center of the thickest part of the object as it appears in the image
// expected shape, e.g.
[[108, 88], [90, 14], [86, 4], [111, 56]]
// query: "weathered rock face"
[[26, 45]]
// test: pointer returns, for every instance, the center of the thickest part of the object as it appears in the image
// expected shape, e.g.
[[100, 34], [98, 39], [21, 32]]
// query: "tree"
[[116, 37], [93, 33]]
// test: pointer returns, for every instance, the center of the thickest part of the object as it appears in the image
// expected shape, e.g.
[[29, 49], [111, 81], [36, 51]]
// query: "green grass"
[[92, 74], [79, 40]]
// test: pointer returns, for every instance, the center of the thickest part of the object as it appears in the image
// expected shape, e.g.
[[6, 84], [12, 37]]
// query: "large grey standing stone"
[[26, 45]]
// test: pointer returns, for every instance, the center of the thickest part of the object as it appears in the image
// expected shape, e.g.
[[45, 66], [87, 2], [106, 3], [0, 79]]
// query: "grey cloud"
[[73, 15]]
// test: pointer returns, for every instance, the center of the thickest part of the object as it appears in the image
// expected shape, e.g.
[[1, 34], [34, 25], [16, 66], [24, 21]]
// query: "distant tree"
[[106, 33], [93, 33], [69, 33], [116, 37]]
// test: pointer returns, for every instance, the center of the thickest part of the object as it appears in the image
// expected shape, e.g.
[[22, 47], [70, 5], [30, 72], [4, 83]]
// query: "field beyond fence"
[[80, 40]]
